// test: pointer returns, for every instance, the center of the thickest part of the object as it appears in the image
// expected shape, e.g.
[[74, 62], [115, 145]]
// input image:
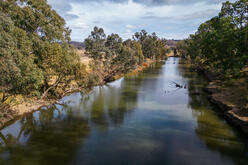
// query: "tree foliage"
[[112, 56], [37, 60], [220, 44], [35, 56], [152, 46], [17, 60]]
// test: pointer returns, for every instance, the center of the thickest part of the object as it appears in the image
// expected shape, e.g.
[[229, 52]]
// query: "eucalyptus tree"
[[42, 40], [17, 66], [137, 49], [220, 44], [152, 46], [138, 52], [110, 56]]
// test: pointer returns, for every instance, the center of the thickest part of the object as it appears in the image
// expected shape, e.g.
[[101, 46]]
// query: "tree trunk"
[[51, 87], [110, 75], [4, 98]]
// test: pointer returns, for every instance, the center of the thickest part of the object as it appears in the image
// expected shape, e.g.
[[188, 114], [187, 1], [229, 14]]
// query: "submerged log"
[[177, 85]]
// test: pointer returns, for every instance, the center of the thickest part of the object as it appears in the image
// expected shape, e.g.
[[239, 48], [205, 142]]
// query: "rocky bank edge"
[[231, 112]]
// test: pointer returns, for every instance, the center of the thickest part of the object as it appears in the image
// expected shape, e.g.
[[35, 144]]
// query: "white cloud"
[[128, 31], [80, 25], [174, 20], [130, 26]]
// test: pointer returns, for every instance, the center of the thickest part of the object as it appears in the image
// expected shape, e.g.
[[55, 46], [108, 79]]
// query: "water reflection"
[[211, 128], [130, 121], [45, 137], [52, 135]]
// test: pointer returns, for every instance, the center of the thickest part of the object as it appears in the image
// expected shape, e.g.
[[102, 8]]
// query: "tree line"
[[37, 60], [221, 44], [113, 56]]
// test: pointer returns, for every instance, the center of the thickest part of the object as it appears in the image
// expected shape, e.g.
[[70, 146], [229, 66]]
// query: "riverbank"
[[23, 105], [230, 98], [132, 116]]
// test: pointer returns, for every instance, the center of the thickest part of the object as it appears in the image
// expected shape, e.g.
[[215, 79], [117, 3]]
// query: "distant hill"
[[172, 43], [79, 45]]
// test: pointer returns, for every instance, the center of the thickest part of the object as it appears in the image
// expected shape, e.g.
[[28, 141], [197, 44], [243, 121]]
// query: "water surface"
[[142, 119]]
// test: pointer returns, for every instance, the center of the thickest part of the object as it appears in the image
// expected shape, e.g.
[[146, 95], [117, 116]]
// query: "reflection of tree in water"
[[154, 70], [124, 101], [97, 110], [113, 103], [151, 76], [53, 138], [110, 104], [53, 135], [217, 135]]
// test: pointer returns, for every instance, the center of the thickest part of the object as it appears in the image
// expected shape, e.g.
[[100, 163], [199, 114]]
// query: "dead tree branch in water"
[[177, 85]]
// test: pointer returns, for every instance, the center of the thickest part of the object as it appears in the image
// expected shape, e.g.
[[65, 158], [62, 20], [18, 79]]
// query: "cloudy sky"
[[171, 19]]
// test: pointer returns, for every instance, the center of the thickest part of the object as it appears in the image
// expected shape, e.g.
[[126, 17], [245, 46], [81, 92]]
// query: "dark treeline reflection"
[[46, 137], [52, 135], [211, 128], [111, 103]]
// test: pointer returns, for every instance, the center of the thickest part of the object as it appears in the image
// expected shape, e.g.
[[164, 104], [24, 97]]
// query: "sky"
[[170, 19]]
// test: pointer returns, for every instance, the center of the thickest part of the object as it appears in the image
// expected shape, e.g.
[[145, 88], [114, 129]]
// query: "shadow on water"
[[211, 128], [40, 137], [130, 121], [53, 135]]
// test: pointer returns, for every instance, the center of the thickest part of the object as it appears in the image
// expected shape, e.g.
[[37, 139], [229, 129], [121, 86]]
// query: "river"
[[141, 119]]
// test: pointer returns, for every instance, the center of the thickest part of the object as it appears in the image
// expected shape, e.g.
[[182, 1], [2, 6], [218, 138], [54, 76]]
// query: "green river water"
[[141, 119]]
